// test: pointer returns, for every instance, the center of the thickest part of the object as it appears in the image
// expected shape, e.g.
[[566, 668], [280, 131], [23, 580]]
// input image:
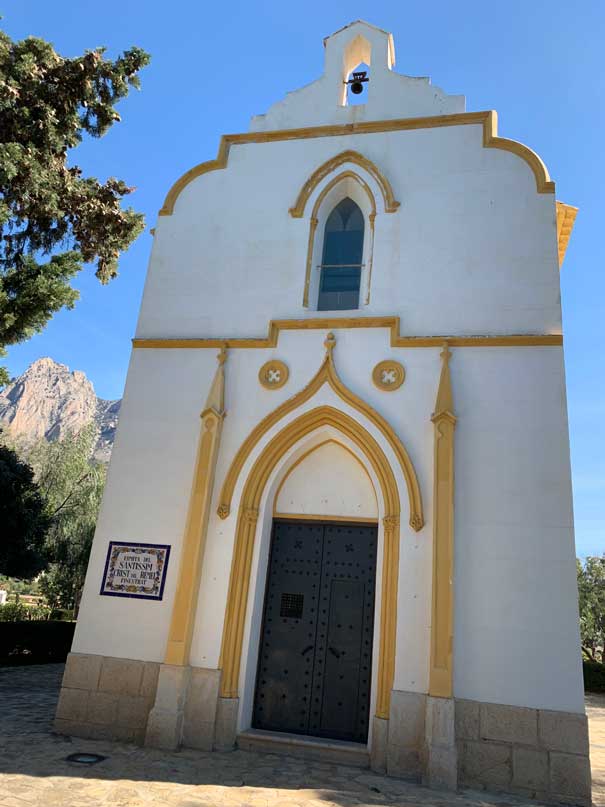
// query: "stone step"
[[336, 752]]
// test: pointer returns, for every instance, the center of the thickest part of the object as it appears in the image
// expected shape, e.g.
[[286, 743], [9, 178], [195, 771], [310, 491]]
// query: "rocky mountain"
[[49, 401]]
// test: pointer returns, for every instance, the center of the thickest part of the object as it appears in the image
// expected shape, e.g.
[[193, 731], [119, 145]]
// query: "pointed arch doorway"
[[315, 654], [315, 641]]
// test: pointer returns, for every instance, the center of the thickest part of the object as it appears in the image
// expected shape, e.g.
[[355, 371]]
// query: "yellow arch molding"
[[314, 221], [354, 157], [326, 374], [489, 120], [239, 581]]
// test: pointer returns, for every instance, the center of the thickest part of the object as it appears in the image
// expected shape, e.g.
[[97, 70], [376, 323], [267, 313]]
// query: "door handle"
[[334, 652], [306, 650]]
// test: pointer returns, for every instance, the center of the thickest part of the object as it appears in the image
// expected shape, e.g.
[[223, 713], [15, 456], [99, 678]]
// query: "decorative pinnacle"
[[222, 355], [329, 343]]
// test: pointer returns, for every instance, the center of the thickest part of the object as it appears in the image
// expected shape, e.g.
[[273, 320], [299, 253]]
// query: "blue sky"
[[538, 63]]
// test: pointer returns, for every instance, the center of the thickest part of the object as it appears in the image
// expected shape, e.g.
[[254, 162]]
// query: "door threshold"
[[322, 749]]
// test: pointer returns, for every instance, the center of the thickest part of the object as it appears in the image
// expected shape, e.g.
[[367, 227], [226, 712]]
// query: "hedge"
[[35, 642], [594, 676]]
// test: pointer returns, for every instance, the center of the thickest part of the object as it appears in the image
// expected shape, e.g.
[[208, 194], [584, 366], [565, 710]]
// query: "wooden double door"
[[315, 656]]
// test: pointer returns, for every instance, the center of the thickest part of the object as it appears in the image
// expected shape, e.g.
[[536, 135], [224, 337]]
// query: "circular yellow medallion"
[[273, 374], [388, 375]]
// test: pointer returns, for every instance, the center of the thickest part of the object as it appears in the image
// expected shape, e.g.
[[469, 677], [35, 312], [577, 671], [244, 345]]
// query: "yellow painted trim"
[[307, 517], [388, 365], [335, 323], [314, 221], [272, 366], [304, 457], [194, 539], [355, 158], [325, 375], [442, 619], [488, 119], [566, 217], [239, 582], [544, 184]]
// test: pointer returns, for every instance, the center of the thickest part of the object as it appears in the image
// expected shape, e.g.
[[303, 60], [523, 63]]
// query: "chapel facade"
[[338, 516]]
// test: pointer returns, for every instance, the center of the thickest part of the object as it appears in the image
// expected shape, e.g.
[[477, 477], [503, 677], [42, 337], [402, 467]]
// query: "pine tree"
[[23, 517], [53, 220]]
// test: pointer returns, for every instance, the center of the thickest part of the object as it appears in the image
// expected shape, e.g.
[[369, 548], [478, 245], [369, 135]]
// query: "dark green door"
[[315, 658]]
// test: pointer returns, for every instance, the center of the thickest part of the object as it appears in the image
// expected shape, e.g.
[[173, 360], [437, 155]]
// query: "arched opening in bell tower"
[[356, 58]]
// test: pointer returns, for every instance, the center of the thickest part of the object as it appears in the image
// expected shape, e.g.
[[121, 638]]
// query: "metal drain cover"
[[85, 759]]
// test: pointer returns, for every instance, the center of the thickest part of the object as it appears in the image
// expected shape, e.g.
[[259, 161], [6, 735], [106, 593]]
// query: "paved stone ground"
[[595, 709], [34, 772]]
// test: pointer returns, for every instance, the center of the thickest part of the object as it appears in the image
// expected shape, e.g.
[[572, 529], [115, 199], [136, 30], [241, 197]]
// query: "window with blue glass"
[[341, 258]]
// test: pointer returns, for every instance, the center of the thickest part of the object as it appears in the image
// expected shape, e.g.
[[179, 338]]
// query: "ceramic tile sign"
[[135, 570]]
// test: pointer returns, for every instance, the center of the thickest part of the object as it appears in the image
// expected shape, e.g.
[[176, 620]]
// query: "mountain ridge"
[[49, 400]]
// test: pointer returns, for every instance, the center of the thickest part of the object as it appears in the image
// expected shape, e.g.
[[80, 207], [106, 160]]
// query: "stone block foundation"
[[453, 743], [534, 753], [444, 742], [142, 702], [106, 698]]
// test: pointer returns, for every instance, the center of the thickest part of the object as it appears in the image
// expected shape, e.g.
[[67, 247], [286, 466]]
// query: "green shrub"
[[594, 676], [13, 612], [61, 614], [35, 641], [19, 612]]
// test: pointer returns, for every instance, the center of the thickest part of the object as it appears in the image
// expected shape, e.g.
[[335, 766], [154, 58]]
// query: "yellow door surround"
[[245, 534]]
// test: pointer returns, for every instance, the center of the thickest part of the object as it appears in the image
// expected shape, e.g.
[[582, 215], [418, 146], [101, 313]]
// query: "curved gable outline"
[[326, 374], [489, 119]]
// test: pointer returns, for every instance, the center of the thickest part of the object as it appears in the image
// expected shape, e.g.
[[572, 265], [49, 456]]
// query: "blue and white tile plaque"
[[135, 570]]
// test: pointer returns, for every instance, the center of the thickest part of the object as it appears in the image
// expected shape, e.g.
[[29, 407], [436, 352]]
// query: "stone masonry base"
[[531, 752], [106, 698], [449, 743], [443, 742]]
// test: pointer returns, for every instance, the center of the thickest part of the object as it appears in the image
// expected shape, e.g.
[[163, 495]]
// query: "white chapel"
[[338, 517]]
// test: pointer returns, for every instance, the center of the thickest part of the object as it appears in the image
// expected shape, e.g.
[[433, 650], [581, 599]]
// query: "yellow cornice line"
[[566, 217], [544, 183], [489, 119], [334, 323]]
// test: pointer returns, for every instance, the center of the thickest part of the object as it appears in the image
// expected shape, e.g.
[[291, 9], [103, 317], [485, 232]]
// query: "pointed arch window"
[[341, 258]]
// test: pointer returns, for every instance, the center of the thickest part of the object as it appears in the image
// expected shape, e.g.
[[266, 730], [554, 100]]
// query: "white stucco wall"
[[471, 250], [328, 481], [516, 636]]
